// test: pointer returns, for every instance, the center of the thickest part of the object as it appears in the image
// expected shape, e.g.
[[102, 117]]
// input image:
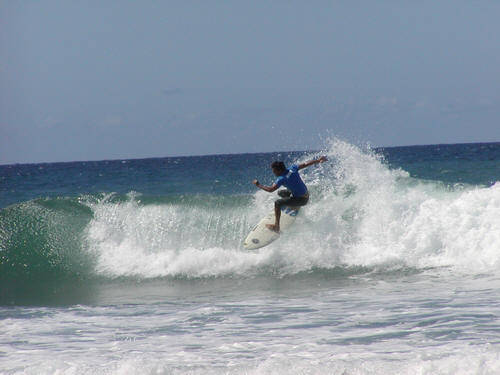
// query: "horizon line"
[[238, 153]]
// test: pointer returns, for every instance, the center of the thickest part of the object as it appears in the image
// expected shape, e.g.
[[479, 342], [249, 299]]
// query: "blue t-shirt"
[[292, 181]]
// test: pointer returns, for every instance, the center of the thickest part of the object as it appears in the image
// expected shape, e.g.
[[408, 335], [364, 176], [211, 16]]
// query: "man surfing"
[[296, 194]]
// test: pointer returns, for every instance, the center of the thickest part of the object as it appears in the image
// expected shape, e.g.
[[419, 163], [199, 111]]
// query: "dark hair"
[[279, 165]]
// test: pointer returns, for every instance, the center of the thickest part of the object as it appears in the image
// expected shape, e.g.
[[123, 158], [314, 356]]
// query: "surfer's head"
[[278, 168]]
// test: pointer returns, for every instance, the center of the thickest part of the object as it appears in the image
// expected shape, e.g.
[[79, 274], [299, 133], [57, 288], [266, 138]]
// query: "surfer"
[[296, 193]]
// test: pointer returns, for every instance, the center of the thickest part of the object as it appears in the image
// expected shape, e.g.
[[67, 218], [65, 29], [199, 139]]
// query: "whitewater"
[[119, 267], [363, 214]]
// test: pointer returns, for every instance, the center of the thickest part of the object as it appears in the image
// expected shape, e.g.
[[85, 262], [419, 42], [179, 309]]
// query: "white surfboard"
[[261, 235]]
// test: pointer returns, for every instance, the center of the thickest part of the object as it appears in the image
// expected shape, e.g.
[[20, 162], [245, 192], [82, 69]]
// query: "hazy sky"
[[91, 80]]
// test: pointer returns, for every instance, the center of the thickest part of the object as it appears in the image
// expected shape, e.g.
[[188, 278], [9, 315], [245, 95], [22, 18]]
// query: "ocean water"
[[137, 266]]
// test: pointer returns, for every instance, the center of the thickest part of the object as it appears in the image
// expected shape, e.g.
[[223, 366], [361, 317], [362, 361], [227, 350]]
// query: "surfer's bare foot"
[[273, 227]]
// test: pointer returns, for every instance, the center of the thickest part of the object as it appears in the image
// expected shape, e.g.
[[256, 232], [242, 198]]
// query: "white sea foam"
[[396, 219], [361, 213], [459, 361]]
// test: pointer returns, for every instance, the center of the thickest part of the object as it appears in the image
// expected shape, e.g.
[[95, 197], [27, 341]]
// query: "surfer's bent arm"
[[269, 189], [311, 162]]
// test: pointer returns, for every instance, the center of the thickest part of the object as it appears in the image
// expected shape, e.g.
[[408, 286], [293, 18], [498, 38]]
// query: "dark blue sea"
[[137, 266]]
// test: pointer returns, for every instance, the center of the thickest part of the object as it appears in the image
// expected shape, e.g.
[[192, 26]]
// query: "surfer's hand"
[[255, 182], [322, 159]]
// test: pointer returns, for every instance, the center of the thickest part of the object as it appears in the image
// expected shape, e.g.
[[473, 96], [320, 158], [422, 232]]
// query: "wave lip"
[[41, 239], [41, 250]]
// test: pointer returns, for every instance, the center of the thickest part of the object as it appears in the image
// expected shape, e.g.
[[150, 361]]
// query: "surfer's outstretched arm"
[[269, 189], [314, 161]]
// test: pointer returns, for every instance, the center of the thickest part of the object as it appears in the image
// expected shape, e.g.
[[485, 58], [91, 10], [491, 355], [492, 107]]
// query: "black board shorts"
[[290, 201]]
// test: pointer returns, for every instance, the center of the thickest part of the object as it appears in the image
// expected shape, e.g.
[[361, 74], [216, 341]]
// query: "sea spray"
[[372, 215]]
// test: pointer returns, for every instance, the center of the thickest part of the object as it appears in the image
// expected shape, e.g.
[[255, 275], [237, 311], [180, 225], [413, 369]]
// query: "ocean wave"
[[362, 213]]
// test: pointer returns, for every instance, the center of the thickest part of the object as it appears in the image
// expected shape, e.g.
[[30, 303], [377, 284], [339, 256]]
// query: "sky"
[[95, 80]]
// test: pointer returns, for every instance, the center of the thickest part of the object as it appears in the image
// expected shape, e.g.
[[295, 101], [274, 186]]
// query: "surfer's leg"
[[289, 202], [277, 214]]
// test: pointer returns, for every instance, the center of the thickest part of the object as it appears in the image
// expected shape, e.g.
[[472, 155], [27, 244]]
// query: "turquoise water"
[[137, 266]]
